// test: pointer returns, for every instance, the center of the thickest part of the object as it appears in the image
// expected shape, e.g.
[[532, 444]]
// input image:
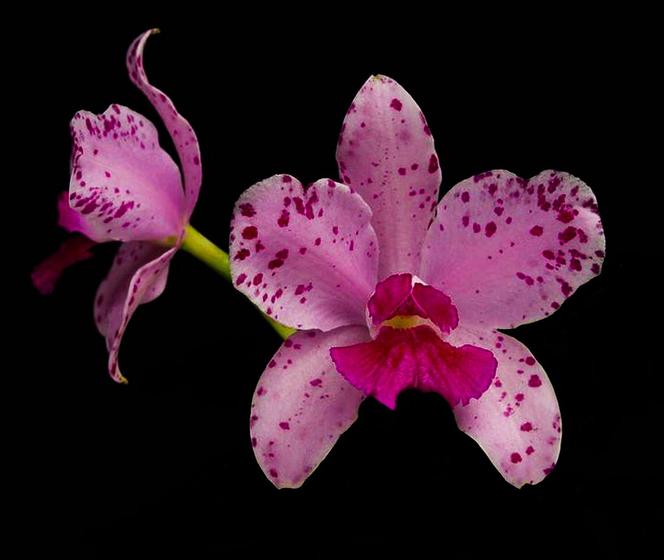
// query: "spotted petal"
[[517, 420], [123, 185], [138, 275], [510, 252], [308, 259], [302, 406], [386, 153], [181, 132]]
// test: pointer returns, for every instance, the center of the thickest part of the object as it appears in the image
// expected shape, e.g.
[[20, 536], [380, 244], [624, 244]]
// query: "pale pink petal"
[[510, 252], [417, 358], [138, 275], [386, 153], [183, 135], [123, 185], [307, 259], [302, 405], [517, 421], [47, 273]]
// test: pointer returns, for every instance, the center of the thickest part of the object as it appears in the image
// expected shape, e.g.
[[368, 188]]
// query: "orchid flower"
[[125, 187], [391, 289]]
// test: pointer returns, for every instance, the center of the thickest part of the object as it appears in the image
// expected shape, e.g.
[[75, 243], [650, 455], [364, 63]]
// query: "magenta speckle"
[[284, 425], [396, 104], [284, 218], [250, 232], [433, 163], [526, 427], [536, 231], [515, 458], [567, 235], [490, 229], [534, 381], [247, 210]]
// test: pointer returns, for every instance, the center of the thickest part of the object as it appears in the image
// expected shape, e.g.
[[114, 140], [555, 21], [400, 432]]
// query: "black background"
[[166, 461]]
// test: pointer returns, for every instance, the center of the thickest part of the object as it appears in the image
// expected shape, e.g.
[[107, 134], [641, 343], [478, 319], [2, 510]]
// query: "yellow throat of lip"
[[405, 322]]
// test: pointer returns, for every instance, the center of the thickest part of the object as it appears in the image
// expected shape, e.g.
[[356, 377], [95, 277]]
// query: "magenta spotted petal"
[[386, 154], [302, 405], [511, 252], [307, 258], [517, 421], [124, 186], [138, 276], [181, 131]]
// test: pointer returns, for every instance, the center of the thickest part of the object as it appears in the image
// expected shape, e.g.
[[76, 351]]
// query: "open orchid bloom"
[[125, 187], [392, 289]]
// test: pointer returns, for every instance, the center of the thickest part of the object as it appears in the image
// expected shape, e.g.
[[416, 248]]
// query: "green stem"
[[207, 252]]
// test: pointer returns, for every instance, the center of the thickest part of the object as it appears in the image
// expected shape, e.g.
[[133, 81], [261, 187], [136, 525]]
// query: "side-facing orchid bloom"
[[391, 289], [125, 187]]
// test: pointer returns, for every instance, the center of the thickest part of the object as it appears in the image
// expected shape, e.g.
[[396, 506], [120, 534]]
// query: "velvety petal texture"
[[417, 358], [510, 251], [178, 127], [386, 153], [123, 185], [302, 405], [517, 420], [306, 258], [138, 275]]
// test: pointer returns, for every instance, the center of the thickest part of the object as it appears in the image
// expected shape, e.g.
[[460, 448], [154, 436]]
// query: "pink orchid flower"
[[393, 289], [125, 187]]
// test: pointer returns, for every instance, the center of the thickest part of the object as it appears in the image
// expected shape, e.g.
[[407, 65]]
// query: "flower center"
[[403, 301], [407, 320]]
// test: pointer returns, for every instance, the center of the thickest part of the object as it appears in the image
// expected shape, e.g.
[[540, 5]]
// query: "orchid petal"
[[181, 132], [386, 153], [302, 405], [138, 275], [47, 273], [510, 252], [307, 259], [123, 185], [517, 421], [415, 357]]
